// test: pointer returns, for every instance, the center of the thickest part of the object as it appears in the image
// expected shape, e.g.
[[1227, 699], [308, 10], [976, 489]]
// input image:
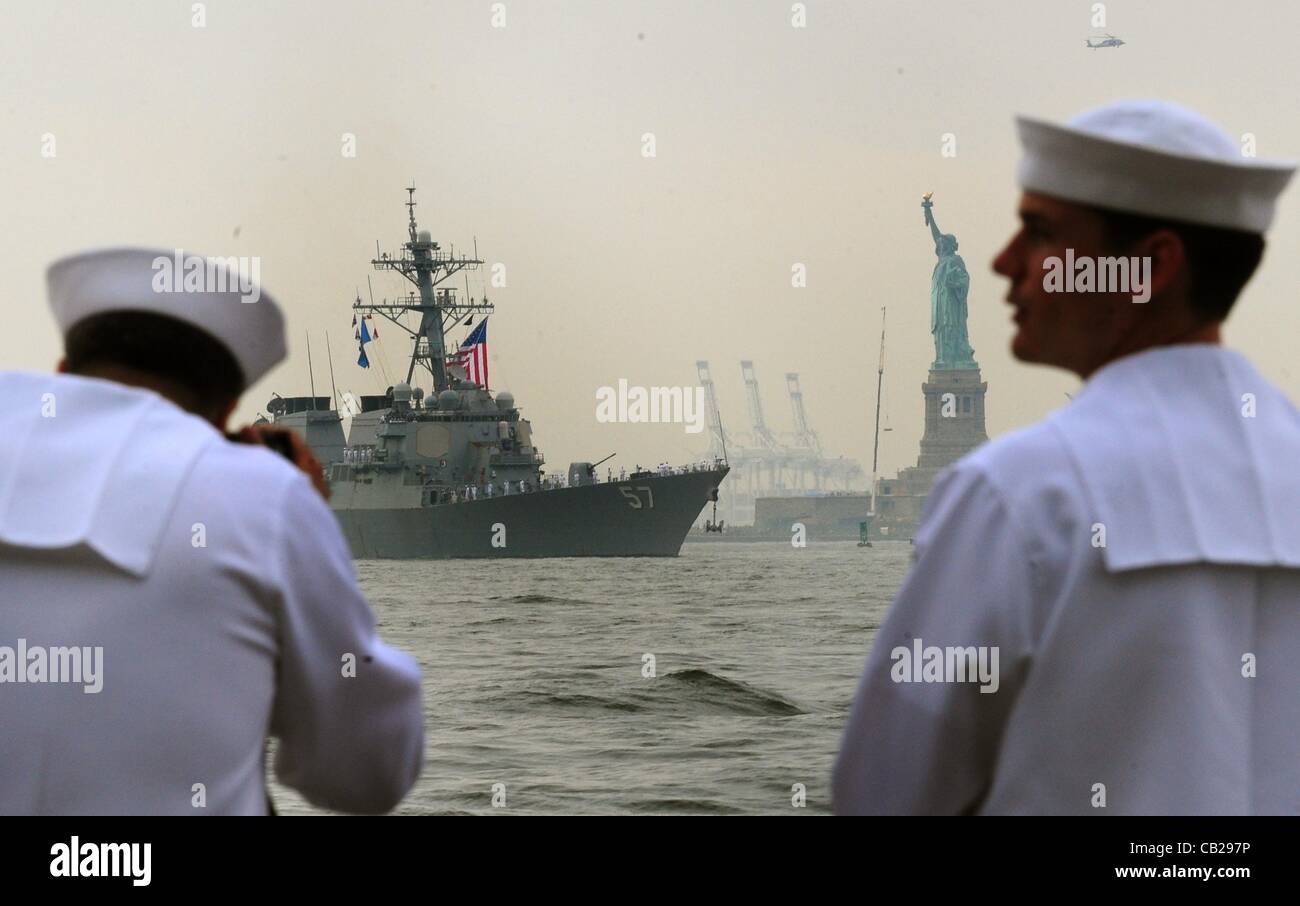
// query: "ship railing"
[[361, 454], [664, 469], [558, 481], [517, 459]]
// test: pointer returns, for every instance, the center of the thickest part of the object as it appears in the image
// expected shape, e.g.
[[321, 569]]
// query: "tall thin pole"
[[334, 391], [311, 372], [880, 381]]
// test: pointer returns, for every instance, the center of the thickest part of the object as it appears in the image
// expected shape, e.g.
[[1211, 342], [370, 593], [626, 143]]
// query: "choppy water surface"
[[533, 675]]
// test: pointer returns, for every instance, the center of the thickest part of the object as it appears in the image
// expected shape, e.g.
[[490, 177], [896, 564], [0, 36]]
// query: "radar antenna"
[[423, 262]]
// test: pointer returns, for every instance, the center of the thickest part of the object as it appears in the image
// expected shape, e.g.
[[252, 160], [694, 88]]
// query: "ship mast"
[[880, 380], [426, 265]]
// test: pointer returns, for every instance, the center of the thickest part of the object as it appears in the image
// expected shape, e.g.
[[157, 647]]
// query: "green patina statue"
[[948, 287]]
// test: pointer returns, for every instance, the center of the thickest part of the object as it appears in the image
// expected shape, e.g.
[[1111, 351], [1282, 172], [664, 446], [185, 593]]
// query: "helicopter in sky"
[[1108, 41]]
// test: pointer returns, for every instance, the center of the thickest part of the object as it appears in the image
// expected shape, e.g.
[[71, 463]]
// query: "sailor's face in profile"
[[1071, 330]]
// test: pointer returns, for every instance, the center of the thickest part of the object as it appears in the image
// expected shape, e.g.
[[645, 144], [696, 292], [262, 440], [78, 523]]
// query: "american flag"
[[473, 355]]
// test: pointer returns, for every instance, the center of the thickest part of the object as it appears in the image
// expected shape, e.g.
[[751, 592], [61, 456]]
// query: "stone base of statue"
[[954, 425], [954, 416]]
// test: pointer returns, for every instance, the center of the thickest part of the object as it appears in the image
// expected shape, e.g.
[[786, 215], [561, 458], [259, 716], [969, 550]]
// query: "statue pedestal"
[[954, 425], [954, 416]]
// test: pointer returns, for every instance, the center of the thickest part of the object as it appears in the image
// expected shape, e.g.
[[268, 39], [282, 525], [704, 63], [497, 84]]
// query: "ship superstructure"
[[454, 471]]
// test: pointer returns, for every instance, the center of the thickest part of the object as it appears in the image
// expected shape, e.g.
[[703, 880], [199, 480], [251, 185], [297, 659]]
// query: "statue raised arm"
[[930, 221]]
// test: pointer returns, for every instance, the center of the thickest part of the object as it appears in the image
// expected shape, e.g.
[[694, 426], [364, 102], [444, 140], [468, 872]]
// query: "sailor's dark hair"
[[1220, 261], [157, 345]]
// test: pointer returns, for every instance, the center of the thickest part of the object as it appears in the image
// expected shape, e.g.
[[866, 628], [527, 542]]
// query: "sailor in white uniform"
[[1103, 615], [168, 598]]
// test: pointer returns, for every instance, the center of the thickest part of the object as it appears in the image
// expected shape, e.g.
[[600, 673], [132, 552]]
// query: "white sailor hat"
[[219, 296], [1153, 158]]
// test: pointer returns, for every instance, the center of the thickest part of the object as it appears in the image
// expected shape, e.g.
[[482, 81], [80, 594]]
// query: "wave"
[[682, 693], [700, 687], [537, 599], [581, 702], [689, 806]]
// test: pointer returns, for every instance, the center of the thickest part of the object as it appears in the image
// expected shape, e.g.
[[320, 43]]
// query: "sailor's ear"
[[62, 367], [1168, 258]]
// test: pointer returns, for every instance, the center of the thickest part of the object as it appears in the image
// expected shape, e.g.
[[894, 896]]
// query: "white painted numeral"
[[634, 498]]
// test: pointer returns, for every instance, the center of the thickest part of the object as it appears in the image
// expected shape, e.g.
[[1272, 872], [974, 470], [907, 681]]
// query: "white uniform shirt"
[[1123, 668], [223, 596]]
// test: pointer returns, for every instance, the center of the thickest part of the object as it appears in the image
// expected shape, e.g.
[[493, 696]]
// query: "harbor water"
[[717, 682]]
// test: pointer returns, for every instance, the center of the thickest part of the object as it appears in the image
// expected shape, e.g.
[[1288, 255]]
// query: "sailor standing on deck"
[[197, 594], [1124, 576]]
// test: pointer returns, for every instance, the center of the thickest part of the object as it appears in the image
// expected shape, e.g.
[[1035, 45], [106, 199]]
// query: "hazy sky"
[[775, 145]]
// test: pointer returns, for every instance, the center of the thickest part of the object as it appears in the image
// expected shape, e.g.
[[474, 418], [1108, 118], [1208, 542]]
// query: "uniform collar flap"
[[1187, 455], [92, 463]]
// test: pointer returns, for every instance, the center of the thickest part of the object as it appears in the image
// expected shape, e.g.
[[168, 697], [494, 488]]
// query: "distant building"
[[831, 516]]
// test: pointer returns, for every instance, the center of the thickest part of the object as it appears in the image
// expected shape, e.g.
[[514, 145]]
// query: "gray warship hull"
[[648, 516]]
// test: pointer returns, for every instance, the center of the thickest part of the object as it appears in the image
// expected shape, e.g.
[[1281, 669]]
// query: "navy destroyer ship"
[[454, 471]]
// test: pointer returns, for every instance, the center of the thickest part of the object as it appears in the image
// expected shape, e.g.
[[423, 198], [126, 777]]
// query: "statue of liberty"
[[948, 287]]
